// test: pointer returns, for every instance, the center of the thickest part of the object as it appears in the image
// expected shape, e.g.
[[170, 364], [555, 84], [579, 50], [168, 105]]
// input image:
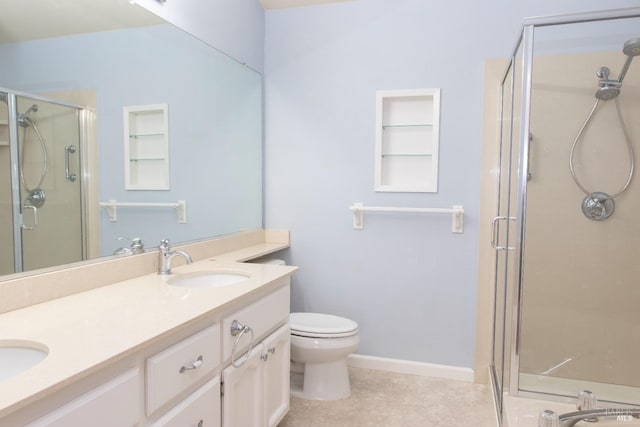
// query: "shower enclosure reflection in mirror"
[[45, 141]]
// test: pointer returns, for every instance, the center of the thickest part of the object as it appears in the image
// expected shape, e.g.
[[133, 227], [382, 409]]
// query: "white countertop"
[[87, 331]]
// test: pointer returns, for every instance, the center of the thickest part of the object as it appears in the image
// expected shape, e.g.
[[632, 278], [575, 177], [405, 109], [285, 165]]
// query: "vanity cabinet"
[[114, 403], [182, 365], [257, 392], [187, 377], [256, 389], [276, 375], [201, 409]]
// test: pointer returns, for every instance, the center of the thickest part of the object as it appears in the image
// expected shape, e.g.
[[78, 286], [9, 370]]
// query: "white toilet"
[[320, 344]]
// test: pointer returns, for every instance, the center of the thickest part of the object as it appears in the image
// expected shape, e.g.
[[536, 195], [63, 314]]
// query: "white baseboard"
[[410, 367]]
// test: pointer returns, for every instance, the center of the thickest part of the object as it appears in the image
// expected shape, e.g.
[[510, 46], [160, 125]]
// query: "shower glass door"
[[579, 302], [504, 236], [50, 183]]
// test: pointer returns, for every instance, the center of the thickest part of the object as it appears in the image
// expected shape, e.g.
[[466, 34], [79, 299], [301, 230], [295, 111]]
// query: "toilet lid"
[[318, 325]]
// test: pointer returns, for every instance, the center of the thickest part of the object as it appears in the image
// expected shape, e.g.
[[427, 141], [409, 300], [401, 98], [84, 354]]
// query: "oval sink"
[[17, 356], [208, 279]]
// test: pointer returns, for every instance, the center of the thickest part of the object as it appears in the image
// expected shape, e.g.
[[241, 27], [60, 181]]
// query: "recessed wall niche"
[[407, 140]]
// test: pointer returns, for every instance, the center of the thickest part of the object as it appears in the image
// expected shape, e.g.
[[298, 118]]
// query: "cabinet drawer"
[[262, 316], [201, 408], [114, 403], [177, 368]]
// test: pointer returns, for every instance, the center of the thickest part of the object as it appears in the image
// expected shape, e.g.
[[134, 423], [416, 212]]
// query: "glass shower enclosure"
[[41, 203], [566, 233]]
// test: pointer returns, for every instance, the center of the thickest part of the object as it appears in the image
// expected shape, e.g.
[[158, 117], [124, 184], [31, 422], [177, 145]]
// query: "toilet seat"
[[318, 325]]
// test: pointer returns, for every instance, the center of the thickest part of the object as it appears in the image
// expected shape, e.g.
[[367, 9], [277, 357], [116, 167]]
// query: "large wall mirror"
[[113, 57]]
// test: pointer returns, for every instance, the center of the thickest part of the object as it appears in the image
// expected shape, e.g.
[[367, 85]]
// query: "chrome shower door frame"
[[527, 40]]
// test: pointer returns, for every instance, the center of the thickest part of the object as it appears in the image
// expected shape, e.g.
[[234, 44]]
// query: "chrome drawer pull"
[[201, 423], [272, 350], [194, 365]]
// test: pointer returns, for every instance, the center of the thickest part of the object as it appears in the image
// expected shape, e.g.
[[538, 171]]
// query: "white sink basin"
[[18, 356], [208, 279]]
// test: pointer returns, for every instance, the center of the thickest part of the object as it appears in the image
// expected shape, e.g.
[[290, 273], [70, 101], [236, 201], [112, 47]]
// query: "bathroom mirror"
[[125, 56]]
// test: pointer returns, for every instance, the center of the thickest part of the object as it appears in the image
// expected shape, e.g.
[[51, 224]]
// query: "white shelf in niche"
[[407, 140], [146, 147]]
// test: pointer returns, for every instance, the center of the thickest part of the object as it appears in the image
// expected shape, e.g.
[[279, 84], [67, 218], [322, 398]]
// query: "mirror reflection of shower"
[[35, 195], [598, 205], [41, 142]]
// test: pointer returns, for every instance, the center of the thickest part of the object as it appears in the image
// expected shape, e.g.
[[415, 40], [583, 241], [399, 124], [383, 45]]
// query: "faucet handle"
[[165, 244], [548, 418], [586, 401], [137, 246]]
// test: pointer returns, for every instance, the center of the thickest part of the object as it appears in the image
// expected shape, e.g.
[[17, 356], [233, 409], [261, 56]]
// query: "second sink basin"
[[19, 356], [208, 279]]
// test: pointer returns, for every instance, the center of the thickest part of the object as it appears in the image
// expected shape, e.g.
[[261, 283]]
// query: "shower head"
[[24, 119], [631, 48], [607, 92]]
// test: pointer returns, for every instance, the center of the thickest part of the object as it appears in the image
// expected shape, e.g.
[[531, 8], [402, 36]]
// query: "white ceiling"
[[35, 19], [281, 4]]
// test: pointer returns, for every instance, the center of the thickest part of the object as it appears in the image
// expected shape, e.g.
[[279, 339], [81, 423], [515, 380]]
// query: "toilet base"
[[322, 381]]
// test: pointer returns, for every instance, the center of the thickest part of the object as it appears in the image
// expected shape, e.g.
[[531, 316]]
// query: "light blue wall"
[[235, 27], [406, 279]]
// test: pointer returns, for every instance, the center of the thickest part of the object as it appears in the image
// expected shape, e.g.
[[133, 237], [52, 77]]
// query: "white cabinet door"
[[243, 395], [276, 375]]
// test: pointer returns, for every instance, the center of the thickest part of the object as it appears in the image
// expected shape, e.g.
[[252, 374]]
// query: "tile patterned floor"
[[384, 399]]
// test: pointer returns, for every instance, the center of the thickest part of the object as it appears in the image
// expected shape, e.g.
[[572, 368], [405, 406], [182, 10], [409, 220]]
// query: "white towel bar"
[[457, 214], [112, 208]]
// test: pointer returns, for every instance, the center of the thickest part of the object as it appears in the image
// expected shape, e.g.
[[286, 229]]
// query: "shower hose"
[[44, 157], [629, 147]]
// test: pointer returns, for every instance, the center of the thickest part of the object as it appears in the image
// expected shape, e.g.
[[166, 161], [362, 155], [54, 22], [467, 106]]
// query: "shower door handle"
[[35, 218], [494, 233], [69, 149]]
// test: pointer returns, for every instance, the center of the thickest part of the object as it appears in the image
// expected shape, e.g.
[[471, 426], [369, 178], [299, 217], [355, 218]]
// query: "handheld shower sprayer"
[[610, 88], [631, 48], [24, 119]]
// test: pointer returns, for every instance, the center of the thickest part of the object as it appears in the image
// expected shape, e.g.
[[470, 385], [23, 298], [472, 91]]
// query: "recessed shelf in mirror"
[[147, 127]]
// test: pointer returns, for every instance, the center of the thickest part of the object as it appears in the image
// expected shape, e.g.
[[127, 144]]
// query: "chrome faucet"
[[165, 255], [620, 414]]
